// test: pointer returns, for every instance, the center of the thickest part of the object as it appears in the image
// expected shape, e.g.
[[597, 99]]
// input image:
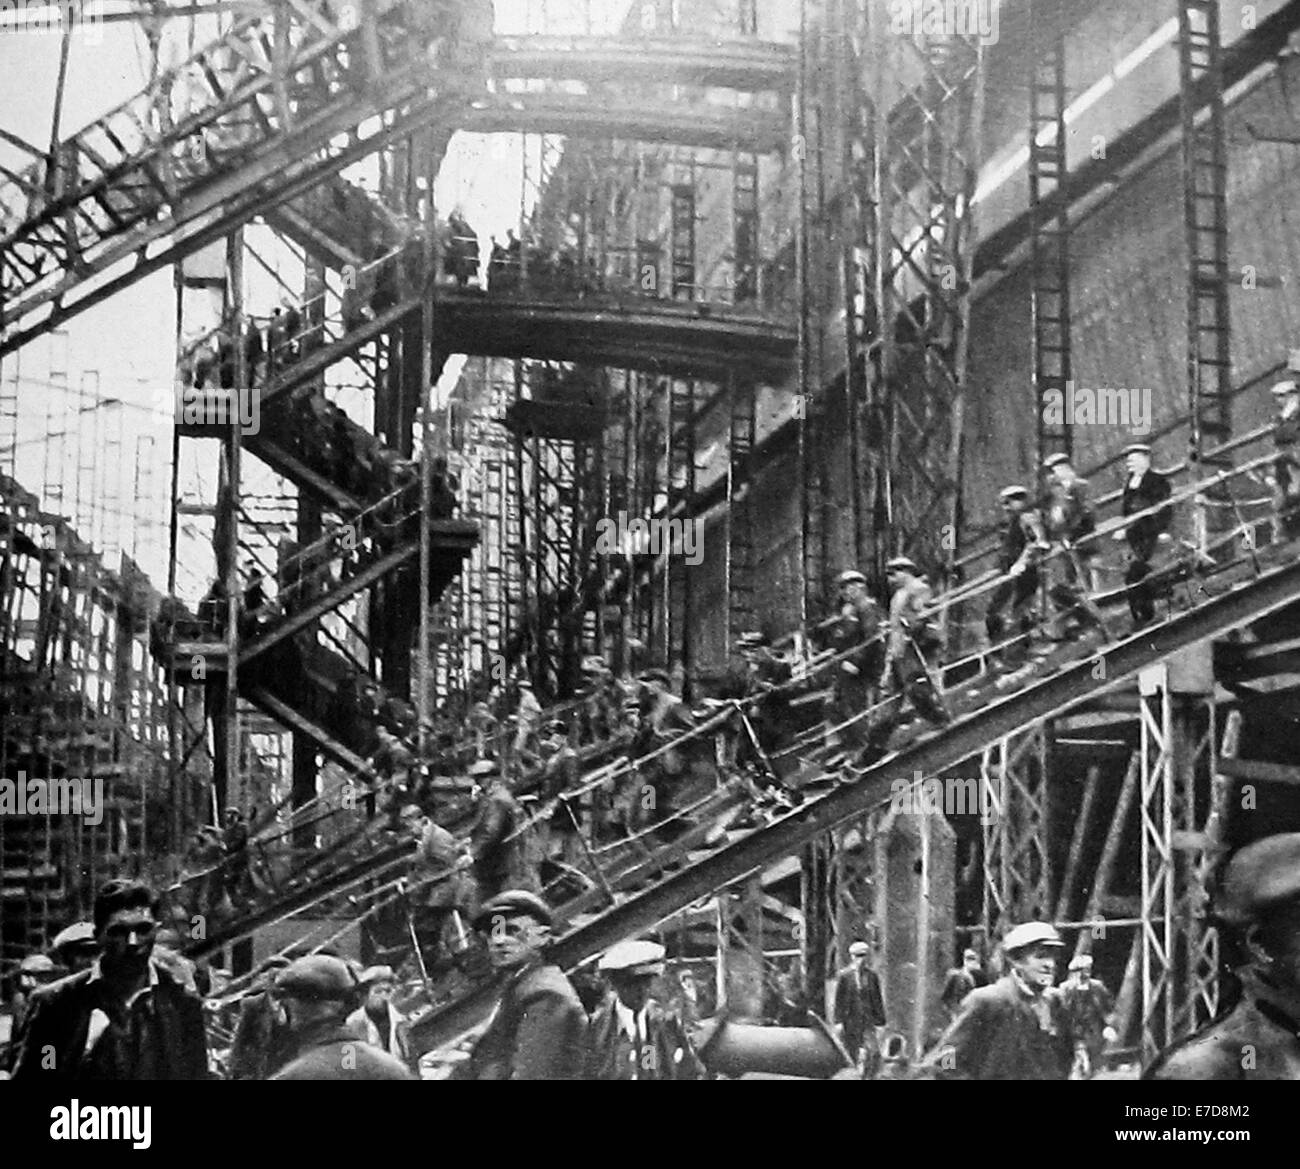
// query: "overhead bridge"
[[611, 115], [749, 65], [674, 337], [137, 189], [991, 719]]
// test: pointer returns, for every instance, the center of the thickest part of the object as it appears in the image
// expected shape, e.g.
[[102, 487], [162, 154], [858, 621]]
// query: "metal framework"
[[1049, 249], [925, 129], [1014, 776]]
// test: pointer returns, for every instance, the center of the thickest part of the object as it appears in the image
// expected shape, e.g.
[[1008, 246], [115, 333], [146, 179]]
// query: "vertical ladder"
[[683, 240], [745, 227], [681, 505], [741, 609], [1205, 222], [1049, 250]]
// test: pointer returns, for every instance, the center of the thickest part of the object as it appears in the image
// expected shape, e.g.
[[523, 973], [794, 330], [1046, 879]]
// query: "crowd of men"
[[111, 1002]]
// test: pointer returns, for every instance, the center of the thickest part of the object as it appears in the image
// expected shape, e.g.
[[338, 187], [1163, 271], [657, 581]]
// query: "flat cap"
[[751, 638], [80, 933], [1015, 491], [1258, 877], [1081, 962], [1031, 933], [902, 564], [483, 767], [850, 576], [858, 949], [660, 676], [511, 903], [1281, 389], [37, 964], [594, 664], [372, 974], [1138, 448], [633, 958], [318, 978], [1056, 460]]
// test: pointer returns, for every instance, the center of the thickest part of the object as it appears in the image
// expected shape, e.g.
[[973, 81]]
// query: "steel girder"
[[929, 756], [924, 125]]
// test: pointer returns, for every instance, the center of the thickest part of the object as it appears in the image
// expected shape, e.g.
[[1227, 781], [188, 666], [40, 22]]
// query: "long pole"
[[424, 697]]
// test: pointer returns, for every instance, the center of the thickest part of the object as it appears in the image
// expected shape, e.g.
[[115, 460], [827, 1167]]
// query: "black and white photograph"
[[713, 540]]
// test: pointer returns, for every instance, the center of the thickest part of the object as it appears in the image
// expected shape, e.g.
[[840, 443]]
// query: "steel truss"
[[1179, 744], [922, 131], [1013, 809]]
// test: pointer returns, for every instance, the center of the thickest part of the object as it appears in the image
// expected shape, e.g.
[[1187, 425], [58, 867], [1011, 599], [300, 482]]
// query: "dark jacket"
[[1023, 538], [1069, 517], [858, 1006], [997, 1036], [539, 1031], [1152, 488], [1256, 1040], [332, 1051], [497, 845], [159, 1037], [666, 1053], [261, 1045]]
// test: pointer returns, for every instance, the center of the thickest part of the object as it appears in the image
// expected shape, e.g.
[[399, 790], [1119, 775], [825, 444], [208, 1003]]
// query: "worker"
[[1024, 542], [1257, 905], [125, 1018], [443, 888], [911, 639], [316, 994], [1143, 489], [1089, 1010], [860, 1009], [34, 972], [496, 839], [1014, 1029], [262, 1042], [377, 1020], [961, 980], [1069, 523], [631, 1036], [1286, 464], [539, 1030], [75, 948], [853, 636]]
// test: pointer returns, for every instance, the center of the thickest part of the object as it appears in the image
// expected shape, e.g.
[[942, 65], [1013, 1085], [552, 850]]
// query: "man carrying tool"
[[910, 641]]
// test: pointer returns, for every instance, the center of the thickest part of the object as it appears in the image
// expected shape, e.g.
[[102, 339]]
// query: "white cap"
[[629, 957], [1031, 933]]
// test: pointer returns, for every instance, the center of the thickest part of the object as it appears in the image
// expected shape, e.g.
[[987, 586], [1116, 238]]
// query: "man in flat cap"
[[911, 641], [1286, 463], [631, 1036], [1089, 1013], [1144, 488], [859, 1009], [853, 635], [496, 839], [377, 1020], [1014, 1029], [1069, 524], [1024, 542], [316, 994], [1257, 904], [539, 1030]]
